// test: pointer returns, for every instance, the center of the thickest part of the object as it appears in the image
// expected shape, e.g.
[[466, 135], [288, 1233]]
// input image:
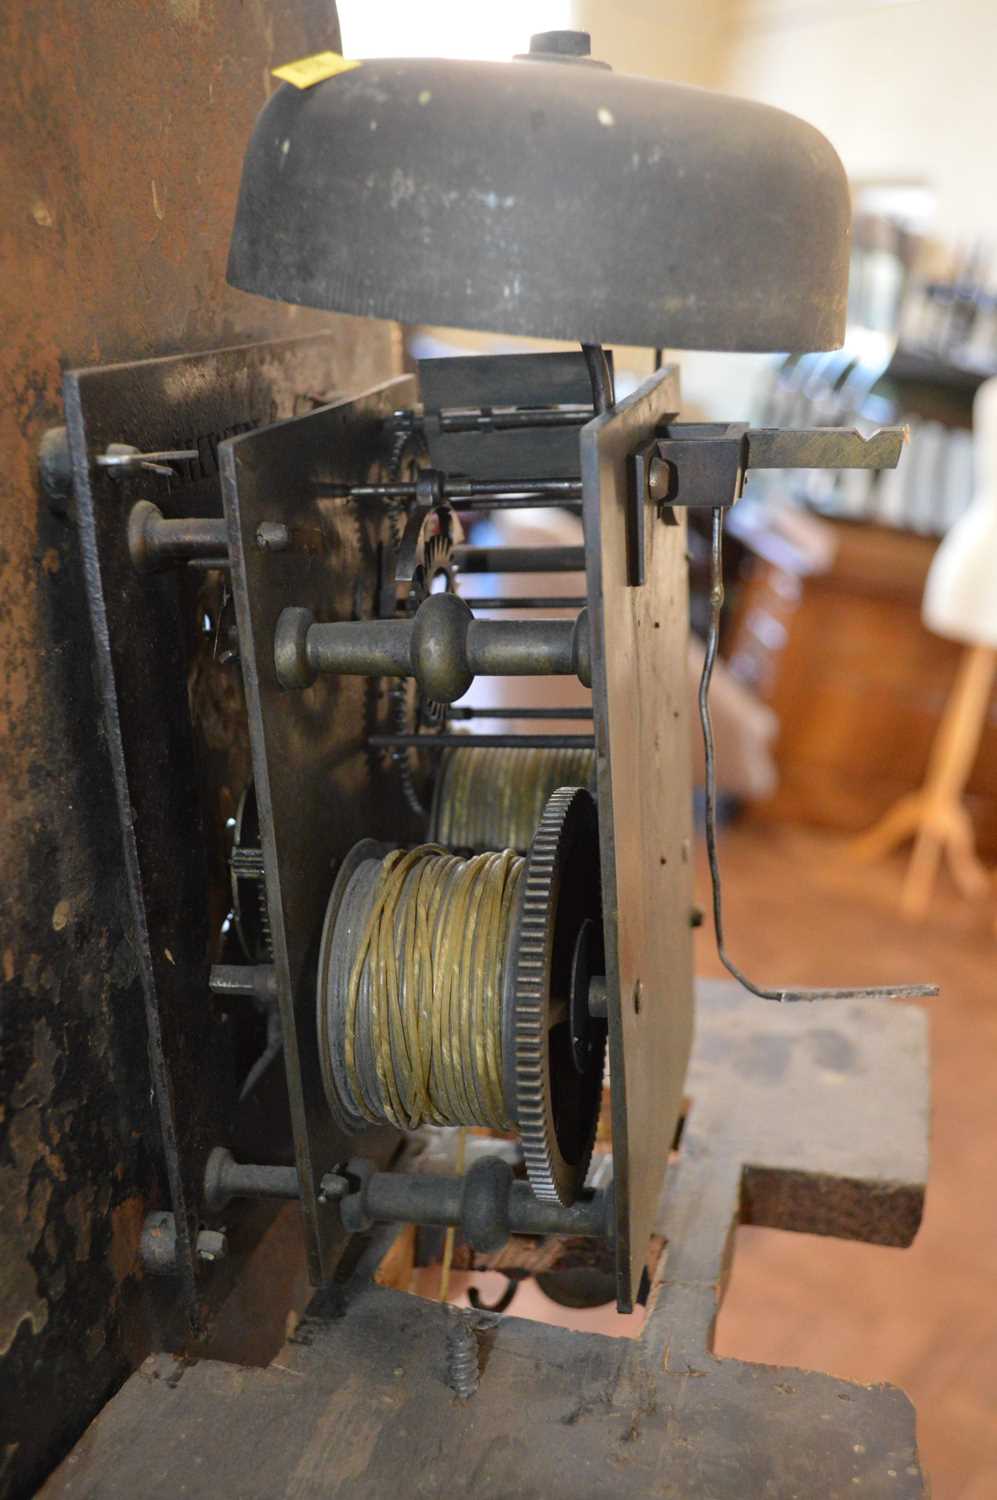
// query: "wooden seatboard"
[[357, 1404]]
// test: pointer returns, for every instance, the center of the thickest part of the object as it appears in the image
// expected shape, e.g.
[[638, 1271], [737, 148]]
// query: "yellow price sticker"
[[308, 71]]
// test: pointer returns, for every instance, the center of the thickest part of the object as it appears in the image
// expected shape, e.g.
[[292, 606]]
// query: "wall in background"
[[663, 38], [903, 88], [660, 38], [447, 28]]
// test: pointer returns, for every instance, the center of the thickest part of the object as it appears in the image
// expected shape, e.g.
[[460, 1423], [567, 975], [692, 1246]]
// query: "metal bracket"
[[698, 465], [703, 465]]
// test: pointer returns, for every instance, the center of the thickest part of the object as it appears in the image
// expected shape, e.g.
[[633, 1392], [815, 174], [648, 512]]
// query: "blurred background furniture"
[[934, 815], [882, 716], [960, 603]]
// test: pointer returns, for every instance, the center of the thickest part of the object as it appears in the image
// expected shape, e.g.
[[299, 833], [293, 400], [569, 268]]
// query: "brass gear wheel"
[[554, 1060]]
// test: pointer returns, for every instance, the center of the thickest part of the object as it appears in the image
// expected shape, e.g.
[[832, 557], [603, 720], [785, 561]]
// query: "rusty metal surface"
[[356, 1405], [121, 159], [174, 722], [640, 700], [824, 448]]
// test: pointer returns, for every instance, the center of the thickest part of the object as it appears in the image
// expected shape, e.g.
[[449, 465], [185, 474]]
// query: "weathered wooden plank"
[[357, 1405]]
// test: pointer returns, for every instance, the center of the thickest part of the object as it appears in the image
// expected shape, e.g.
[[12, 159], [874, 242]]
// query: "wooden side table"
[[860, 687]]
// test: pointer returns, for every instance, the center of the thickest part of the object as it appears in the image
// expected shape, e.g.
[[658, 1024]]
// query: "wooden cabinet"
[[857, 682]]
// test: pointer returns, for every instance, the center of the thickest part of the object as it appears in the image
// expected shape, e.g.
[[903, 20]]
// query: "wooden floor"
[[925, 1318]]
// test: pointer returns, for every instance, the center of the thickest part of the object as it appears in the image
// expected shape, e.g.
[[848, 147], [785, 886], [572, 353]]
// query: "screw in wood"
[[462, 1357]]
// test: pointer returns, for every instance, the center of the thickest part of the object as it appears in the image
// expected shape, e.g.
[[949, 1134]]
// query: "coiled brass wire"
[[494, 798], [424, 997]]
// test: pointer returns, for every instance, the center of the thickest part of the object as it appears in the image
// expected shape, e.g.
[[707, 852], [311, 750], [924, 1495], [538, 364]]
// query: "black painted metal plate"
[[319, 787], [505, 380], [640, 699], [174, 720]]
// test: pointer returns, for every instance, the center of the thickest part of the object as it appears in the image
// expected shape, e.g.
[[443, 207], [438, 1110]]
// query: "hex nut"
[[273, 536], [333, 1188], [660, 480], [212, 1244]]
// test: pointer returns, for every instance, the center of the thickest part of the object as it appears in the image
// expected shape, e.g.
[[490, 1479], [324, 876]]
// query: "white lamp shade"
[[960, 594]]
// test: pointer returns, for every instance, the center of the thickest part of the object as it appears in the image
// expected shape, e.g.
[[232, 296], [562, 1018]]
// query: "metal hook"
[[504, 1300], [876, 992]]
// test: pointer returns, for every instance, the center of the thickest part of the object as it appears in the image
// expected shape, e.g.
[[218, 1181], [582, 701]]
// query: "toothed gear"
[[437, 559], [554, 1102], [408, 709], [249, 893]]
